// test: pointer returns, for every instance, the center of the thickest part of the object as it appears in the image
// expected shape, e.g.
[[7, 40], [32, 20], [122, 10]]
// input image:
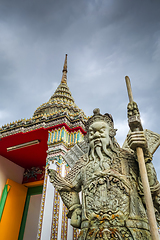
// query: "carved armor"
[[111, 205]]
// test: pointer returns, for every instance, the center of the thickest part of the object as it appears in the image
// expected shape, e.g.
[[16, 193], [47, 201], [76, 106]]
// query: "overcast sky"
[[105, 40]]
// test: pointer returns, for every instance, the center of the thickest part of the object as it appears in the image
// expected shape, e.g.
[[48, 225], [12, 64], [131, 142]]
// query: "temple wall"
[[31, 226], [9, 170]]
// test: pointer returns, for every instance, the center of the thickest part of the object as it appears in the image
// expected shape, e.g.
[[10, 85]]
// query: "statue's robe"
[[112, 198]]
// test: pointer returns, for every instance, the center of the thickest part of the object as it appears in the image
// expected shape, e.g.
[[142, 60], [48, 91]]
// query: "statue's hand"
[[134, 120], [137, 139], [132, 109], [58, 182], [76, 218], [52, 174]]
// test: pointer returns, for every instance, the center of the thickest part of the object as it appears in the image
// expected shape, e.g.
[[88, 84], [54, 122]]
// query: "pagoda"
[[28, 147]]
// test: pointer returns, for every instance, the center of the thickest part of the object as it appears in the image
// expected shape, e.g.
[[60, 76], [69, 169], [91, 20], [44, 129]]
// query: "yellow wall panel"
[[12, 214]]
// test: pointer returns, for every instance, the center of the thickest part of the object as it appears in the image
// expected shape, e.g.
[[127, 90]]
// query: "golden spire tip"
[[65, 64], [64, 76]]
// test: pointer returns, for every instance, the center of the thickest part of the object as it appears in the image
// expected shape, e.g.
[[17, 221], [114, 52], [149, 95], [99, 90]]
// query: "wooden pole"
[[145, 182]]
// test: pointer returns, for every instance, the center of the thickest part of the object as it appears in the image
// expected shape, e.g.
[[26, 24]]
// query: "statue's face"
[[98, 133]]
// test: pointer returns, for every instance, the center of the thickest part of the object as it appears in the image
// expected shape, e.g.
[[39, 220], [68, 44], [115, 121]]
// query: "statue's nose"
[[96, 134]]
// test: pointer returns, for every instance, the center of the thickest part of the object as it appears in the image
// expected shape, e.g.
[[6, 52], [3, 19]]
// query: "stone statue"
[[112, 204]]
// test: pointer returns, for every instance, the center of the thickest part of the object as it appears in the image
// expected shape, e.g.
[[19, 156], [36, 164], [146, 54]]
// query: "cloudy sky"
[[105, 40]]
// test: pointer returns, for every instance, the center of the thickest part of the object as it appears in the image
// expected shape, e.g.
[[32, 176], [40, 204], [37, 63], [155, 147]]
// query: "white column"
[[60, 207], [70, 230]]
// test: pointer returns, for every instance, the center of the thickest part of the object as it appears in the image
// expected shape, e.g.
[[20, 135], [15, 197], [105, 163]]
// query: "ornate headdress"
[[97, 116]]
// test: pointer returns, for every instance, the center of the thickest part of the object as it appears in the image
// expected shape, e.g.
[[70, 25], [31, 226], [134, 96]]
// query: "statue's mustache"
[[98, 146]]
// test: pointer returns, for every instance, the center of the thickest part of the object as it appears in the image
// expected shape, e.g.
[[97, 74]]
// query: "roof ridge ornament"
[[64, 76]]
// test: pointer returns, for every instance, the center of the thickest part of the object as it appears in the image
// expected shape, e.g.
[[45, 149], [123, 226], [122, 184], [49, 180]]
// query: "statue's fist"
[[136, 139], [52, 174], [132, 109], [76, 218]]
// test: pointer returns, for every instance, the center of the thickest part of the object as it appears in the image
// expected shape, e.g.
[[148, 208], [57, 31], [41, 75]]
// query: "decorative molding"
[[64, 227], [55, 217], [63, 135], [57, 159], [64, 224], [75, 233], [42, 206], [24, 127]]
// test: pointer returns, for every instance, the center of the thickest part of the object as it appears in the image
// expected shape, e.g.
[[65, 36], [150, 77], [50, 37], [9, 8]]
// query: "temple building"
[[30, 207]]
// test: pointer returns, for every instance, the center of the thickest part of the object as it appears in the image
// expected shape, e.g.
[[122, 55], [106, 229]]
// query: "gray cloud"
[[105, 40]]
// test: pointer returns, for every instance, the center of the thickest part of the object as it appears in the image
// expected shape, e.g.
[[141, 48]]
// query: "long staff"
[[144, 178]]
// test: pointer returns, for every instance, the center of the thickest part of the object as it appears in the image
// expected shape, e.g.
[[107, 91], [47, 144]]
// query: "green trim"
[[35, 190], [3, 199], [31, 191], [24, 218]]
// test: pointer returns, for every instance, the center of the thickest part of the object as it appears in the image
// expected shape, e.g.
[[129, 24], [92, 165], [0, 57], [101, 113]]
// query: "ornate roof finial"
[[64, 76]]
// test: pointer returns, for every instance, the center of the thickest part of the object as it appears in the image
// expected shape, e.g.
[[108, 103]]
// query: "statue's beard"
[[99, 148]]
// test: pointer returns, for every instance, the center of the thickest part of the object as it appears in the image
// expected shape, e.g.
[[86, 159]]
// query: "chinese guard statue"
[[112, 205]]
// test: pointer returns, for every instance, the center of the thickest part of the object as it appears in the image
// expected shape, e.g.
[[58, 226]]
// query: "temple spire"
[[61, 102], [64, 76]]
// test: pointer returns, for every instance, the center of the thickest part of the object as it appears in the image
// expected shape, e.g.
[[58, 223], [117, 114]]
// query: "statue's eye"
[[102, 130]]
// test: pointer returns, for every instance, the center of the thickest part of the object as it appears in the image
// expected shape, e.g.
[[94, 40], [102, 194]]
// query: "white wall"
[[31, 227], [9, 170]]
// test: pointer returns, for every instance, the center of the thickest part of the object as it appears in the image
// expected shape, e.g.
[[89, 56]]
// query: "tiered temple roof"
[[60, 108], [61, 101]]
